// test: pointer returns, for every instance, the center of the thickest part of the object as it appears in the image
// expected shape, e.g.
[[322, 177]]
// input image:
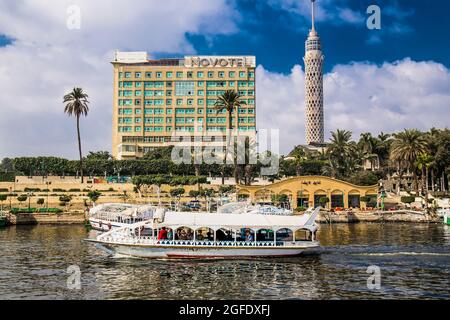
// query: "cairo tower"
[[314, 87]]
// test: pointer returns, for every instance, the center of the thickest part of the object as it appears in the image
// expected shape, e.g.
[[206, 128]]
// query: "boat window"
[[184, 233], [284, 234]]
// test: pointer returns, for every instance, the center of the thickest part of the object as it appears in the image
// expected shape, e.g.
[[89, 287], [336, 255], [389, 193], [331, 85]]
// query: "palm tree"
[[300, 156], [406, 147], [342, 152], [367, 146], [424, 162], [230, 100], [77, 106]]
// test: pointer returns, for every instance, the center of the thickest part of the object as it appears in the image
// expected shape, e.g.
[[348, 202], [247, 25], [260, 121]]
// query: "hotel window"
[[148, 84], [190, 74], [242, 83], [159, 93], [168, 129], [200, 102], [128, 84], [200, 74], [148, 102], [210, 74], [138, 93], [159, 74], [127, 102], [148, 111], [179, 74], [231, 84], [251, 111], [168, 102], [241, 111], [137, 74], [138, 84], [137, 111], [169, 74], [148, 120], [168, 111], [120, 75], [168, 120], [251, 83], [127, 74], [127, 93], [159, 102], [242, 92], [137, 120], [200, 83], [251, 74], [190, 102], [210, 102], [168, 93], [231, 74], [251, 92], [148, 74], [159, 84], [251, 101], [149, 93], [221, 74], [200, 111], [241, 74], [184, 88], [179, 102], [169, 84], [137, 102], [200, 92]]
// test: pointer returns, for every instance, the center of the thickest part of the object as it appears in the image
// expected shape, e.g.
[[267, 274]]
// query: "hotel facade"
[[160, 102]]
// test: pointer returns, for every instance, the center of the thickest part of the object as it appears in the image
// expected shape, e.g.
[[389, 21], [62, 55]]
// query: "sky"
[[375, 80]]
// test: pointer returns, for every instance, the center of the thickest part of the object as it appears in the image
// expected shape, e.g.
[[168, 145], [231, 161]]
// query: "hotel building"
[[156, 102]]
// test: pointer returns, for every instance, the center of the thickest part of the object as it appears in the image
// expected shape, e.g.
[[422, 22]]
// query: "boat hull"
[[195, 252]]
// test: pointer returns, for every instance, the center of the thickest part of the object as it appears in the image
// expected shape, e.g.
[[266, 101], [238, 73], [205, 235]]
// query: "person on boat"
[[248, 236], [170, 234], [162, 234]]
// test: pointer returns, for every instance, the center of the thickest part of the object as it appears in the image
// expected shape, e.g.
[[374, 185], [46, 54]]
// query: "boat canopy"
[[217, 221]]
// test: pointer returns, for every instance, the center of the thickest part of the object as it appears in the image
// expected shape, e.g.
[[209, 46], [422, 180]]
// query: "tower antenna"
[[312, 13]]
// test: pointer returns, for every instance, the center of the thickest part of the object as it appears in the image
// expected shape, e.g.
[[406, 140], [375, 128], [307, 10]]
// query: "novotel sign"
[[220, 61]]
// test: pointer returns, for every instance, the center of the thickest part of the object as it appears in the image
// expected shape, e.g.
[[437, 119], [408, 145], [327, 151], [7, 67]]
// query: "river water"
[[414, 262]]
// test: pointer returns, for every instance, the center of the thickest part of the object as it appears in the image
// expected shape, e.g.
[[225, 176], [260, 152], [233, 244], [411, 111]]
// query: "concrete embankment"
[[377, 217], [46, 218]]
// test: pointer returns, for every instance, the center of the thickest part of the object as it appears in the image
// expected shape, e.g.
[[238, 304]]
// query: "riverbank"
[[404, 216], [75, 217]]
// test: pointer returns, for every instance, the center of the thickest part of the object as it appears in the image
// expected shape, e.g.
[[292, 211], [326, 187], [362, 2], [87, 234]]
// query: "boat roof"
[[231, 220]]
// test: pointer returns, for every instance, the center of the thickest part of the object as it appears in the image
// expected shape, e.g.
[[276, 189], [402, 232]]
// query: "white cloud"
[[47, 59], [360, 97]]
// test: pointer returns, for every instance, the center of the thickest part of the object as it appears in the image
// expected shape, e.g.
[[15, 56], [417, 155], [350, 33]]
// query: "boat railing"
[[123, 239]]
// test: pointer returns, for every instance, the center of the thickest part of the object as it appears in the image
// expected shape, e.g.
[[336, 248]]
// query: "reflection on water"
[[414, 262]]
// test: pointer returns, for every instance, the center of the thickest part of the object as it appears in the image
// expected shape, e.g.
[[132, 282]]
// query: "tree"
[[40, 201], [323, 201], [93, 195], [77, 106], [3, 198], [406, 147], [177, 193], [342, 154], [99, 155], [22, 198], [229, 101], [207, 193], [424, 162], [194, 194]]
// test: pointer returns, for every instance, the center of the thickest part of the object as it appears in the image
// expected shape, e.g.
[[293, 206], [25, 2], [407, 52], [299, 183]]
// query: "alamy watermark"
[[74, 278], [73, 21], [230, 148], [374, 20], [374, 280]]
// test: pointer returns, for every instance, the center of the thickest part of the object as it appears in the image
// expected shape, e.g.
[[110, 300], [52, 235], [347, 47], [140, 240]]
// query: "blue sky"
[[380, 80], [410, 28]]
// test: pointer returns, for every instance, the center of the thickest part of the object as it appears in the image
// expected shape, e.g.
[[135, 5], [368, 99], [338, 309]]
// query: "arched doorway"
[[317, 195], [337, 199], [303, 199], [354, 199]]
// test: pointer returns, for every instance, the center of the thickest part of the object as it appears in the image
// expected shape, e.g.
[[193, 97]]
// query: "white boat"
[[213, 235], [109, 216]]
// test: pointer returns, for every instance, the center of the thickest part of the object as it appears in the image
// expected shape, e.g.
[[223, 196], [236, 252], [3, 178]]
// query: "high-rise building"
[[158, 101], [314, 87]]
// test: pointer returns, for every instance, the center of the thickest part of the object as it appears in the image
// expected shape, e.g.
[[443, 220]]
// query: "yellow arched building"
[[307, 190]]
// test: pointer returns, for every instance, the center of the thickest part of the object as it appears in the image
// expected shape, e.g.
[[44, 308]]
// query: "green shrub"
[[94, 195], [4, 190], [300, 209], [22, 198], [40, 201], [31, 190], [408, 199], [74, 190]]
